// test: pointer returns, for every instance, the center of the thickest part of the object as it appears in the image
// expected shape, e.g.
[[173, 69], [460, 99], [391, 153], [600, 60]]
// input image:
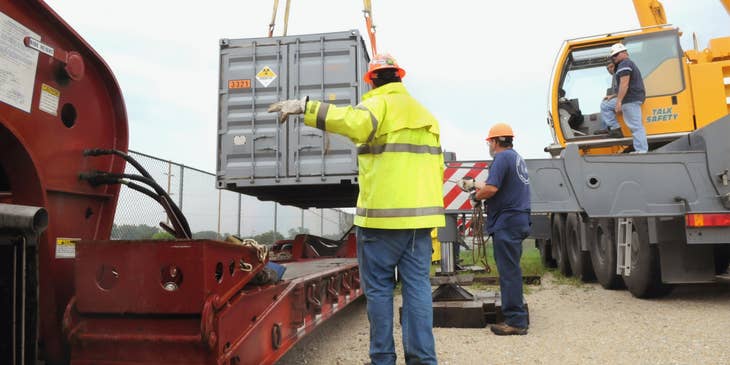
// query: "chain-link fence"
[[214, 213]]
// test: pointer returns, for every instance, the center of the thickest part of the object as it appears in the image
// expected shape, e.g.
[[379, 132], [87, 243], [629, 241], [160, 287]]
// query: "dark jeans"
[[507, 254], [379, 252]]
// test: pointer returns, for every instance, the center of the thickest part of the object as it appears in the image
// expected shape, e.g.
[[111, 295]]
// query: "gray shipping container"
[[289, 163]]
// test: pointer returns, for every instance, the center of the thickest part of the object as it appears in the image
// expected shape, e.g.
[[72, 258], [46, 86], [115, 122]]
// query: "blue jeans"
[[507, 254], [632, 117], [379, 252]]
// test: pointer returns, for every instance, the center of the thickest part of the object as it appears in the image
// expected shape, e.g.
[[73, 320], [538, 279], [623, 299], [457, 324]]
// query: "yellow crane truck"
[[643, 221]]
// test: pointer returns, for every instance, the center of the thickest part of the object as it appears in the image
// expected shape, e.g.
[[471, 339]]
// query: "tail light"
[[708, 220]]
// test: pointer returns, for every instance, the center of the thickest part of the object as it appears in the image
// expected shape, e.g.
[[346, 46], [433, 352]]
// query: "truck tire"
[[580, 261], [645, 279], [558, 245], [546, 255], [603, 255], [722, 259]]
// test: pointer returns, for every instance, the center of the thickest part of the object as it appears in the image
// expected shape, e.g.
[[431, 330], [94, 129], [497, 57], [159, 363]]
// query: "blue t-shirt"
[[636, 91], [508, 173]]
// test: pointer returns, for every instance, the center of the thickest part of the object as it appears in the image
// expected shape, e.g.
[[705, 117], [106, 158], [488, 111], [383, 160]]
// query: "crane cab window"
[[585, 80], [659, 57]]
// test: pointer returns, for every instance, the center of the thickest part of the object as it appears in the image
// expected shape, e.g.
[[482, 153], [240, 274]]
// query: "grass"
[[530, 264]]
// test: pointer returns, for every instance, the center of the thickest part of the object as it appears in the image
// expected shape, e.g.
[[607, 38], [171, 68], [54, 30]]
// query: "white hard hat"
[[616, 48]]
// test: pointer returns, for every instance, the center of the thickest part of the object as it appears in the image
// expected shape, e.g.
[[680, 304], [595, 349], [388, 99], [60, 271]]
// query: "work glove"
[[466, 184], [289, 107]]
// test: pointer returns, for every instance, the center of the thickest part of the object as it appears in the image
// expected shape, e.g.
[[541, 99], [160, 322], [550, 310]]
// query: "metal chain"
[[479, 245], [261, 251]]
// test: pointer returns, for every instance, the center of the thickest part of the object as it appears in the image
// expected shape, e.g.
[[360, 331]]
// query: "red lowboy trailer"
[[71, 295]]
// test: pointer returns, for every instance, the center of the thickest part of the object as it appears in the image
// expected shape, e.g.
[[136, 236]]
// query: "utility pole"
[[219, 214], [240, 201], [169, 186], [273, 239]]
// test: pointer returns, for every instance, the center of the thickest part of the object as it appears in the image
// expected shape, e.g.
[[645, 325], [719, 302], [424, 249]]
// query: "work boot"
[[615, 133], [601, 131], [503, 329]]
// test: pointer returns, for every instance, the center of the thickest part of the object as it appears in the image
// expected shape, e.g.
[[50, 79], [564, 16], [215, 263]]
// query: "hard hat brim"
[[368, 77]]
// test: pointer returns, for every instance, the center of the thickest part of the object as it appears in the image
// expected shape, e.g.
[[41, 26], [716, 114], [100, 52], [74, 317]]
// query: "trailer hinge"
[[623, 242]]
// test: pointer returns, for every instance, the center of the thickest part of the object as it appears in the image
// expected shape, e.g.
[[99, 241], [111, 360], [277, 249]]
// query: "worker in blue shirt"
[[507, 195]]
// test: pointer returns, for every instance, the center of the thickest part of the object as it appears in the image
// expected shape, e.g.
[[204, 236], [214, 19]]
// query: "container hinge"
[[624, 235], [723, 177], [725, 199]]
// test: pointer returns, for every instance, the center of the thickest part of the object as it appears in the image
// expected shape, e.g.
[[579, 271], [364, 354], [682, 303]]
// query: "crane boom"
[[651, 12]]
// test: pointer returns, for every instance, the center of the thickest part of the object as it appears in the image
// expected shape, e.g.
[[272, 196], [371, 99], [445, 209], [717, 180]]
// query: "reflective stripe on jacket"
[[399, 155]]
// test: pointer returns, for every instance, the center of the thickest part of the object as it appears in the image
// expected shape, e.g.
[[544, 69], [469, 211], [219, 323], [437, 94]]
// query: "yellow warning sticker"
[[266, 76], [49, 99], [66, 247], [51, 90]]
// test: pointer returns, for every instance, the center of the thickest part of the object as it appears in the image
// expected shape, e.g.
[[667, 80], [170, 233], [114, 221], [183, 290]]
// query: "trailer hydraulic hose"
[[143, 171], [172, 210], [125, 156], [176, 216], [182, 227], [178, 233]]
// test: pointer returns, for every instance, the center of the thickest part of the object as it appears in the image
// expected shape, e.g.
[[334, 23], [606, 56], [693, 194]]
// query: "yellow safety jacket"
[[399, 155]]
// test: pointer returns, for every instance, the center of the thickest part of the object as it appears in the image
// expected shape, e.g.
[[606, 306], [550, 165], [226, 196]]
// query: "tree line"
[[145, 232]]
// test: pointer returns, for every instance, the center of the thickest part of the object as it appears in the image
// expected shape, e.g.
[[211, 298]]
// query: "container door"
[[324, 67], [251, 141]]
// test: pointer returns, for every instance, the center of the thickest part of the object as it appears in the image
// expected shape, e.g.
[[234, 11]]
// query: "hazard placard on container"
[[66, 247], [266, 76]]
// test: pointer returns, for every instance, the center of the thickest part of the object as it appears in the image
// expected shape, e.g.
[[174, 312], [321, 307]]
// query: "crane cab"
[[673, 94]]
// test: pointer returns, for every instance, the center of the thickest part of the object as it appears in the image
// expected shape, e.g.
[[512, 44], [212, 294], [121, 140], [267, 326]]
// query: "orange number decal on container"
[[239, 84]]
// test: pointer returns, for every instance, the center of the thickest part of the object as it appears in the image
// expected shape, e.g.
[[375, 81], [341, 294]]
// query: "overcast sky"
[[472, 63]]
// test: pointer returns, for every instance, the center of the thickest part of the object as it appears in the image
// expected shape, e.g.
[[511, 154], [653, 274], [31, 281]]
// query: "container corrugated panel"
[[290, 163]]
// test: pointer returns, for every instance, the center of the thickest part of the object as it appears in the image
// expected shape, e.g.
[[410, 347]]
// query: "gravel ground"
[[570, 324]]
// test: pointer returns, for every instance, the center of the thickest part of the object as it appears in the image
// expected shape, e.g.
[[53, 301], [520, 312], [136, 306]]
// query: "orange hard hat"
[[500, 130], [382, 61]]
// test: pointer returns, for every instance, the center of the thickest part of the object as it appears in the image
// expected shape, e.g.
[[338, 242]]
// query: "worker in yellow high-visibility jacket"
[[400, 202]]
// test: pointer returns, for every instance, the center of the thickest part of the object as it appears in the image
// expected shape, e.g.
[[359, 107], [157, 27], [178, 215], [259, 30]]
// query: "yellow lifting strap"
[[273, 18], [368, 12], [286, 16]]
